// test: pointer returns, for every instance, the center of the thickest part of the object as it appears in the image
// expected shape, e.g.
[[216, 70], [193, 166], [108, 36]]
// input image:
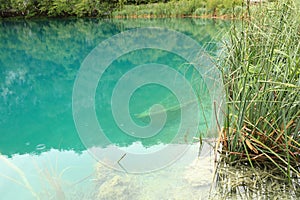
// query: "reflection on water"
[[38, 65], [64, 175], [41, 152], [51, 175]]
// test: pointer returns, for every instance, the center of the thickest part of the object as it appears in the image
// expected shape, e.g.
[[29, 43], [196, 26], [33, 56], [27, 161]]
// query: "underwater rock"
[[118, 187]]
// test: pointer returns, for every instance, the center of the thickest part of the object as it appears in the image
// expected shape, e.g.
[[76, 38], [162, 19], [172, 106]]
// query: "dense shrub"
[[123, 8], [60, 8], [182, 8]]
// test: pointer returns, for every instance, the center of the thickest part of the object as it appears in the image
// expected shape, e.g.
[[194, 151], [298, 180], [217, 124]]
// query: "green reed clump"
[[261, 75]]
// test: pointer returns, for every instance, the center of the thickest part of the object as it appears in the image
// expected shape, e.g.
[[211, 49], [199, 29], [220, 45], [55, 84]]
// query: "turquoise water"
[[39, 62]]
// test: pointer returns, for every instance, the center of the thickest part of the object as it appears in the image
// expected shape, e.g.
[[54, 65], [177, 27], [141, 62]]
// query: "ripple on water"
[[40, 147]]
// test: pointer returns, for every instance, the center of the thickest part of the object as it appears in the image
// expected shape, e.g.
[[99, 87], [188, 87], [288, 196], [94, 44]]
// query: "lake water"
[[44, 154]]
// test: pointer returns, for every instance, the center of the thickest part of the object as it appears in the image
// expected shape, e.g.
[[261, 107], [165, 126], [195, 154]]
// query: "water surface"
[[42, 155]]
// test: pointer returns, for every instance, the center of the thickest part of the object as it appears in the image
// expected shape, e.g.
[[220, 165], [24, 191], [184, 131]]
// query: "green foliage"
[[200, 12], [181, 8], [54, 8], [60, 8], [213, 4], [222, 6], [120, 8], [232, 3], [262, 80]]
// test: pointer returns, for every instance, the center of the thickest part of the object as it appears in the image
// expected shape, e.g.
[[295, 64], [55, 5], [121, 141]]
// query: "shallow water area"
[[191, 177], [243, 182], [67, 175]]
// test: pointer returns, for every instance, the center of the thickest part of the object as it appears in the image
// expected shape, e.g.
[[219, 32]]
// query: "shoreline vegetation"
[[261, 74], [229, 9], [185, 8]]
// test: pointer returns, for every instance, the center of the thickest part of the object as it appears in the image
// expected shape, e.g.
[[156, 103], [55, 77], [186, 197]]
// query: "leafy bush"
[[180, 8], [121, 8], [200, 12], [59, 7]]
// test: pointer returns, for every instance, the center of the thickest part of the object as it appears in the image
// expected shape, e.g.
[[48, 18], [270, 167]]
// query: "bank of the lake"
[[261, 73], [122, 9]]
